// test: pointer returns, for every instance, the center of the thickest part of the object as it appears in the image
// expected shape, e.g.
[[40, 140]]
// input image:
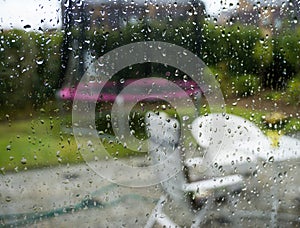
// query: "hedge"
[[29, 68], [30, 62]]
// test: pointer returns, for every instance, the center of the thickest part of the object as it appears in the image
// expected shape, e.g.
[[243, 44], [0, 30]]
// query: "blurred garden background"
[[253, 51]]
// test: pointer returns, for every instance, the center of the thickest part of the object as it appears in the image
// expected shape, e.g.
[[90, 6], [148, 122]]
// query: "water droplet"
[[185, 78], [7, 198], [295, 20], [271, 159], [27, 26], [185, 118], [102, 12], [39, 61], [92, 79], [23, 161], [261, 40], [89, 143]]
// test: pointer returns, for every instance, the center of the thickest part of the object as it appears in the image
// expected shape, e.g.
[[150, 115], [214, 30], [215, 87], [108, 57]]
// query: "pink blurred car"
[[111, 90]]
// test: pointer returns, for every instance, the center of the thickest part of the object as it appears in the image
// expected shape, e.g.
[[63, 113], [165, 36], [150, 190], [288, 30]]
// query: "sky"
[[36, 13], [46, 14]]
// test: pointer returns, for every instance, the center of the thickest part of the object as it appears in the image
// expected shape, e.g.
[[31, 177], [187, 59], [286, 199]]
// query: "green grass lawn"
[[35, 143], [39, 142]]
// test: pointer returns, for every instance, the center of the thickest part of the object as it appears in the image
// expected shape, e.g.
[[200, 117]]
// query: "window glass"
[[132, 113]]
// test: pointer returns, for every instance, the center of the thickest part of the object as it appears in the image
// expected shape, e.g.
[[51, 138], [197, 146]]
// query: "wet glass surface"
[[149, 113]]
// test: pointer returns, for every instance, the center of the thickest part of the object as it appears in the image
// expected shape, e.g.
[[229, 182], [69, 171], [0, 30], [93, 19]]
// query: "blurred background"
[[251, 47]]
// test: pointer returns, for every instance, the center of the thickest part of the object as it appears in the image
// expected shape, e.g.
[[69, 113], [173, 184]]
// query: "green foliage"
[[241, 85], [289, 44], [231, 45], [263, 53], [239, 49], [274, 95], [30, 62], [291, 94], [246, 85], [224, 80], [29, 68], [293, 91]]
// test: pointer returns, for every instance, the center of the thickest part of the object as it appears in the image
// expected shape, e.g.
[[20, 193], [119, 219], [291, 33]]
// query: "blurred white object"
[[229, 141], [164, 141]]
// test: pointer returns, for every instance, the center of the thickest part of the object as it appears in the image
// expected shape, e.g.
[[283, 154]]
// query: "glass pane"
[[154, 113]]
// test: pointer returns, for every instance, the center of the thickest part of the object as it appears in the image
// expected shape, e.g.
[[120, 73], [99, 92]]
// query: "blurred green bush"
[[241, 56], [29, 68], [246, 85], [293, 91]]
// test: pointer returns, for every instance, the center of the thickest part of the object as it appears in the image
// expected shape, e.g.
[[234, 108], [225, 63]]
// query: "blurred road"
[[75, 196]]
